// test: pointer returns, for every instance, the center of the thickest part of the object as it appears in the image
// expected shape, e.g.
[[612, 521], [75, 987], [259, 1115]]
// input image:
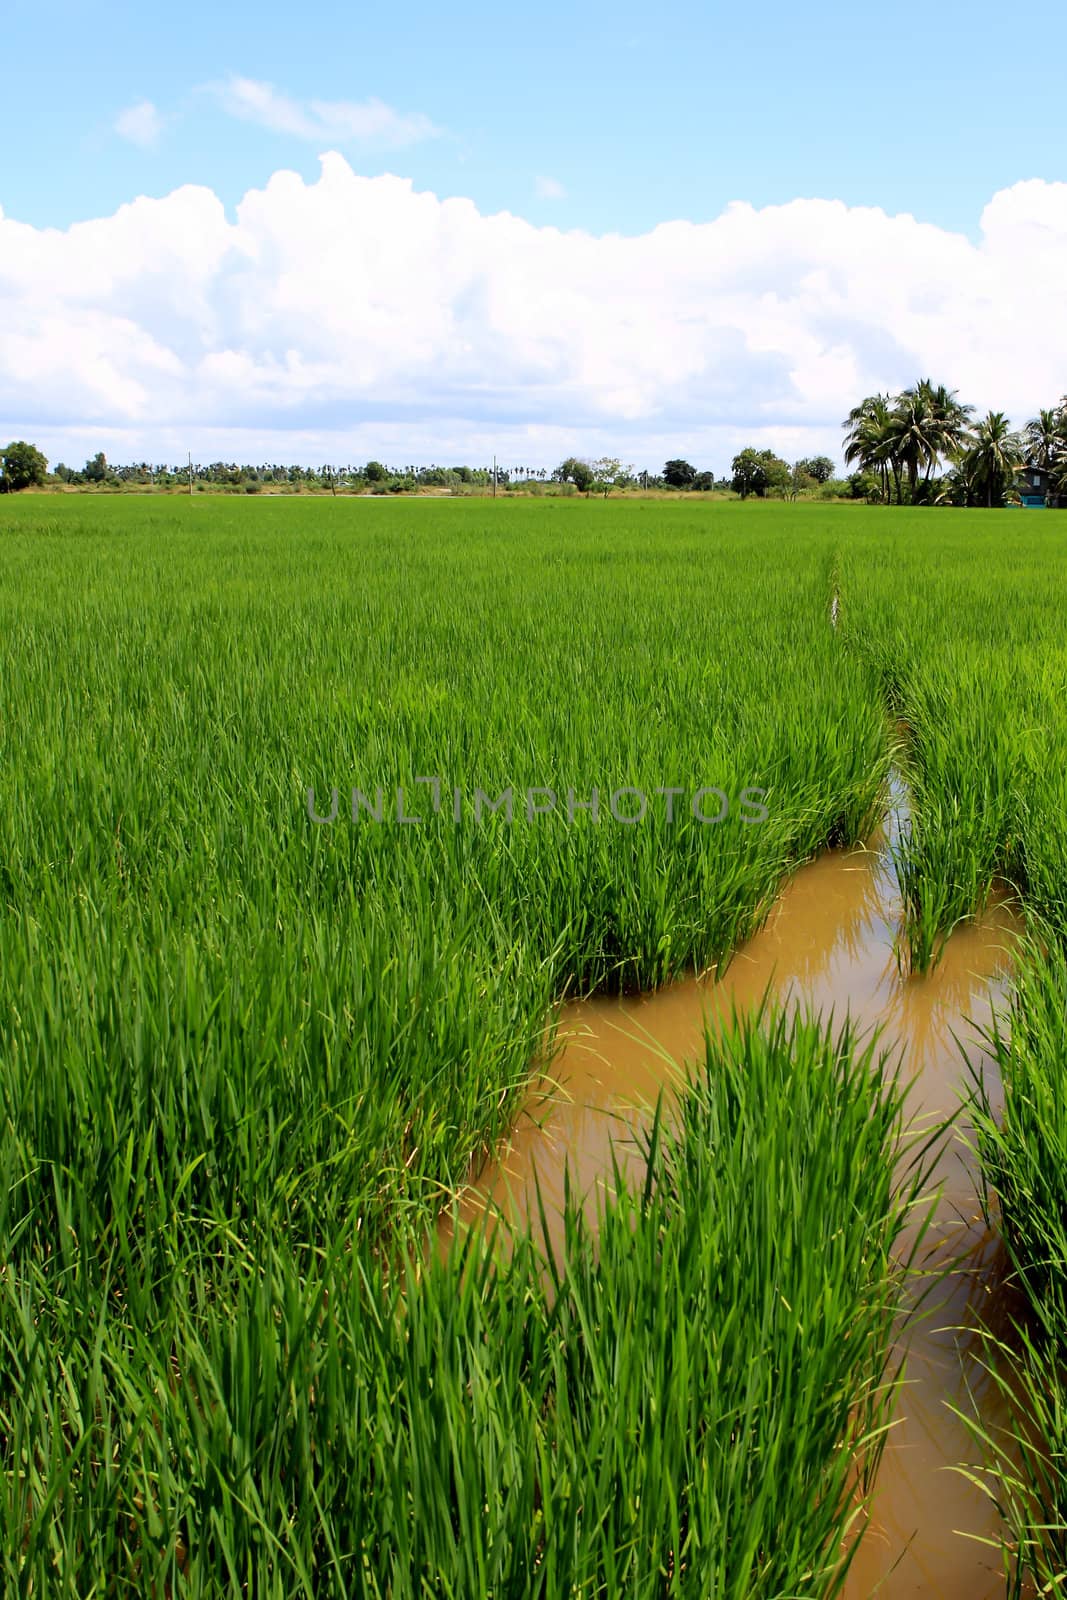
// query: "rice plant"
[[1023, 1153], [963, 626], [688, 1400]]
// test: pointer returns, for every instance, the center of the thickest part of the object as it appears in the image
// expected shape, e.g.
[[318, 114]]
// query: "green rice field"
[[253, 1042]]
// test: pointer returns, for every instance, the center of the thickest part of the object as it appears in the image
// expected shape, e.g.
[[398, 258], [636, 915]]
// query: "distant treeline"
[[920, 447], [752, 472]]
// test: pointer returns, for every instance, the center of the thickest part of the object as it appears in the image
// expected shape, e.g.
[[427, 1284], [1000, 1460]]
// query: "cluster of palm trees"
[[901, 442]]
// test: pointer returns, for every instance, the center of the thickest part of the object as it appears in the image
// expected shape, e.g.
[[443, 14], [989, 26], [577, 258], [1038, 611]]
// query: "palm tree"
[[1058, 465], [915, 435], [869, 439], [1045, 438], [952, 422], [993, 459], [928, 423]]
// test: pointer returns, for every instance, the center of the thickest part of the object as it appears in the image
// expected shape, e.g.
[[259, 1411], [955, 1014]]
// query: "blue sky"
[[641, 116], [599, 119]]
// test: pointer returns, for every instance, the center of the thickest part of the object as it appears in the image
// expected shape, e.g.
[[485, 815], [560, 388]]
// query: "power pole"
[[190, 472], [494, 477]]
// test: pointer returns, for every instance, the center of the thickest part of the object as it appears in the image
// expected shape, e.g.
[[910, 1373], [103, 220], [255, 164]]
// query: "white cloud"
[[355, 316], [141, 124], [549, 189], [324, 122]]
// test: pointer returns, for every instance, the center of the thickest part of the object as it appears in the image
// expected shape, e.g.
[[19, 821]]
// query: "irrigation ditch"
[[833, 945]]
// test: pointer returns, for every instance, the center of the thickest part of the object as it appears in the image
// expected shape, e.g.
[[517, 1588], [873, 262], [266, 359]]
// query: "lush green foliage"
[[21, 466], [819, 468], [756, 471], [679, 474]]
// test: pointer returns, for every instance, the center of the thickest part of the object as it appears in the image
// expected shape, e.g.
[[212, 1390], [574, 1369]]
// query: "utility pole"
[[190, 472], [494, 477]]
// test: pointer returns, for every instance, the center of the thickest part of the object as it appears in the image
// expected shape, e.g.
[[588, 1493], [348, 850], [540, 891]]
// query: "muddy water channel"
[[829, 943]]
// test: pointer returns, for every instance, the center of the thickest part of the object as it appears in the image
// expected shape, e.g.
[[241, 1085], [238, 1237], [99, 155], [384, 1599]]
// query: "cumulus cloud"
[[141, 124], [549, 189], [353, 316], [323, 121]]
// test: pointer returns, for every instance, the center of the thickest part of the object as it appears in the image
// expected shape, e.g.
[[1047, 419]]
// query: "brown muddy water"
[[830, 943]]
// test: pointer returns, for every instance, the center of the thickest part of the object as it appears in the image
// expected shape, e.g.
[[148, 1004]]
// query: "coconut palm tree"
[[953, 422], [915, 432], [1045, 438], [991, 462], [1059, 456], [928, 423], [869, 439]]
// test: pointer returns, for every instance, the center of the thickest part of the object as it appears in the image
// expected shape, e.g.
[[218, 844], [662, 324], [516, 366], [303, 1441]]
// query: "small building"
[[1034, 487]]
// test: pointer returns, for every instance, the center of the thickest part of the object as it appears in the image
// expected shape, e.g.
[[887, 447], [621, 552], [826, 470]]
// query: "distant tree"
[[779, 473], [749, 475], [1059, 460], [906, 436], [800, 480], [865, 486], [988, 467], [756, 471], [679, 474], [608, 472], [375, 472], [928, 423], [703, 482], [821, 468], [21, 465], [575, 471], [96, 469], [869, 441], [1046, 439]]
